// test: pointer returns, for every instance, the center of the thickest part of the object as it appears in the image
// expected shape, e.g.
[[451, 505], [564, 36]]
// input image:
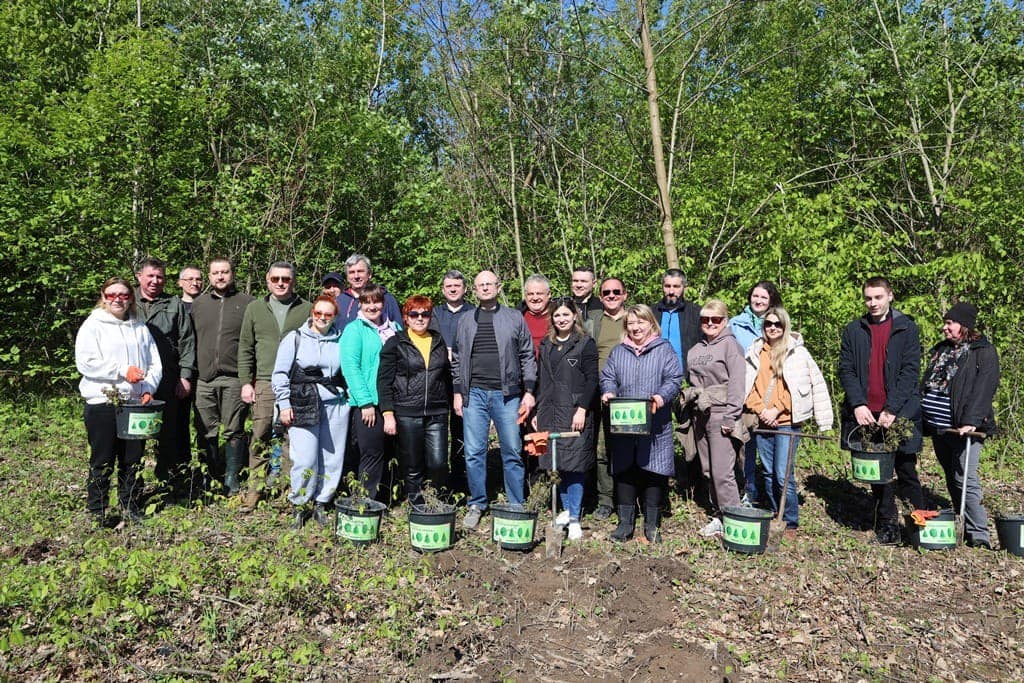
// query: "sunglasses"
[[711, 319], [323, 315], [773, 323], [280, 279], [611, 292], [117, 297], [416, 315]]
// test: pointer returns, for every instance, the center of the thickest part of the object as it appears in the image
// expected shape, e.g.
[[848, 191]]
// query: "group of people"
[[357, 379]]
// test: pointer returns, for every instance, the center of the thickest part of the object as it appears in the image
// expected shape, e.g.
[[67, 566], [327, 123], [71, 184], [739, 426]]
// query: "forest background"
[[810, 143]]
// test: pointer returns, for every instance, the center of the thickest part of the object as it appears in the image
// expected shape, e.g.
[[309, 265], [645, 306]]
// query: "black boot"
[[652, 517], [321, 515], [888, 534], [299, 517], [234, 452], [627, 524]]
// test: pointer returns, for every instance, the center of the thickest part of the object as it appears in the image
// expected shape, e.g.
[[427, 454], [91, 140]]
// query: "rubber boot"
[[627, 524], [652, 516], [234, 453], [212, 462]]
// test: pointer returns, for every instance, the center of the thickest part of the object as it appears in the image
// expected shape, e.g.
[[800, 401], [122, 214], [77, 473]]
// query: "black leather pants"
[[422, 453]]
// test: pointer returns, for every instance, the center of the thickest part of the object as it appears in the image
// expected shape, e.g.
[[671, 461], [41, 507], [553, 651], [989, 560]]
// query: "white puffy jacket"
[[104, 350], [803, 378]]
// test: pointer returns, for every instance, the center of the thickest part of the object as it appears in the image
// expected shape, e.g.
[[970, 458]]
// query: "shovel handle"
[[956, 432], [562, 435]]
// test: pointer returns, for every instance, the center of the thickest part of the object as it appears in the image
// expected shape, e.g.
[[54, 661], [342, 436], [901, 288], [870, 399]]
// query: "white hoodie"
[[104, 350]]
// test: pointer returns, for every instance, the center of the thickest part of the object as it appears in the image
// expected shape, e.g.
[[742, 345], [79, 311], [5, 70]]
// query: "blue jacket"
[[348, 308], [445, 321], [314, 350], [746, 327]]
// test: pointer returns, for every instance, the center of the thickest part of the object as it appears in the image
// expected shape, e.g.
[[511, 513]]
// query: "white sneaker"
[[713, 528], [575, 531], [562, 519]]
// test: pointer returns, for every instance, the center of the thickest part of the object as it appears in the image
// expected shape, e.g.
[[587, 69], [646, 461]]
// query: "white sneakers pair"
[[575, 530]]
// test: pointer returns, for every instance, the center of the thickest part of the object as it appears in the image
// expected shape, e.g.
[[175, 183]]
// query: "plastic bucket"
[[136, 421], [358, 519], [745, 530], [873, 468], [430, 532], [1010, 530], [513, 526], [938, 533], [630, 416]]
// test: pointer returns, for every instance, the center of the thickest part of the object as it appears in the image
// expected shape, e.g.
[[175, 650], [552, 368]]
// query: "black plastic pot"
[[513, 526], [358, 519], [136, 421], [1010, 529], [431, 531], [630, 416], [938, 533], [745, 530]]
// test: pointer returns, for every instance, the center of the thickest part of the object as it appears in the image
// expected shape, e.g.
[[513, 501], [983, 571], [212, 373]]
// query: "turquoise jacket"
[[360, 359], [746, 327]]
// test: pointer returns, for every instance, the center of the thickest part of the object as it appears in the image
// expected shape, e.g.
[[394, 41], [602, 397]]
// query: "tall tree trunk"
[[657, 144]]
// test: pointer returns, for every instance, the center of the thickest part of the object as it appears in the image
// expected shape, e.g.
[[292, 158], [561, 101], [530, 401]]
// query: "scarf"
[[943, 366]]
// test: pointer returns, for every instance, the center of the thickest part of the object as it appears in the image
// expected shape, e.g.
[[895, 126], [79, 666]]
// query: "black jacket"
[[567, 380], [902, 374], [171, 327], [688, 321], [973, 386], [407, 387]]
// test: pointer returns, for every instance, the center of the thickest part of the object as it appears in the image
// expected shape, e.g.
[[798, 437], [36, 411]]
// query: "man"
[[264, 323], [537, 297], [445, 321], [171, 326], [495, 372], [190, 280], [606, 327], [879, 368], [359, 273], [218, 317], [679, 319], [583, 281], [331, 284]]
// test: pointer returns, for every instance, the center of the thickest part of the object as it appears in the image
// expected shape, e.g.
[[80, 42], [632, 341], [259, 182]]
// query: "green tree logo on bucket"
[[742, 533], [513, 530], [144, 424], [866, 470], [938, 533], [357, 528], [429, 536]]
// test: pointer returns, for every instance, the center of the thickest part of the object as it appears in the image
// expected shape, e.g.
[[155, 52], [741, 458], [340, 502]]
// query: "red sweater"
[[880, 333]]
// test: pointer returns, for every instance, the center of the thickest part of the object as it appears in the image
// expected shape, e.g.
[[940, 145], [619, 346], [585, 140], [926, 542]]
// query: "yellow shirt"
[[422, 342]]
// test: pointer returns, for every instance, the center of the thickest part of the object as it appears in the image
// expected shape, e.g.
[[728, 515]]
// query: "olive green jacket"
[[171, 326], [260, 337]]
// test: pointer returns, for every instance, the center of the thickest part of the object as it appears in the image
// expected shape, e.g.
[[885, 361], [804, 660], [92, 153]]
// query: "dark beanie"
[[963, 313]]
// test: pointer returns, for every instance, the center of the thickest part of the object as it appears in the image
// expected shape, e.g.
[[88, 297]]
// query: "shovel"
[[539, 441], [960, 531]]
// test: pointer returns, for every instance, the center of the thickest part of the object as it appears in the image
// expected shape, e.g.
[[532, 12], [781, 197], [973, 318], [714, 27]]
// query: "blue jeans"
[[774, 451], [570, 490], [479, 410]]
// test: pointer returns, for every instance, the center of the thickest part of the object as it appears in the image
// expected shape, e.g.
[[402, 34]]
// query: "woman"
[[414, 391], [643, 365], [114, 352], [361, 344], [566, 393], [784, 389], [746, 327], [959, 383], [716, 370], [309, 391]]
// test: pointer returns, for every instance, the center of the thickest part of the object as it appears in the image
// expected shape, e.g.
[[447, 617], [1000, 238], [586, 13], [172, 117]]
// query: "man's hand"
[[248, 393], [886, 419], [457, 404], [134, 375], [863, 416], [183, 389], [526, 404], [287, 416]]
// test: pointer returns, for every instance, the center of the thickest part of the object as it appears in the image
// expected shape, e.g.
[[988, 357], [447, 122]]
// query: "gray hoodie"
[[716, 362], [314, 350]]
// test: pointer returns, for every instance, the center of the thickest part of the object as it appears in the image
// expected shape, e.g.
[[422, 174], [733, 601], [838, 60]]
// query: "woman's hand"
[[607, 396], [657, 403], [390, 425], [769, 416], [579, 418], [369, 415], [287, 417], [727, 429], [966, 429]]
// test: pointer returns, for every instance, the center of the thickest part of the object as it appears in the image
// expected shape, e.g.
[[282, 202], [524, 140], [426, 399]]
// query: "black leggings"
[[374, 451], [636, 483]]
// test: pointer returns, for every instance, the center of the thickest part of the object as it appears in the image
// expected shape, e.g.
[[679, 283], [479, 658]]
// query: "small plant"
[[432, 501], [878, 439], [540, 492], [116, 397], [357, 491]]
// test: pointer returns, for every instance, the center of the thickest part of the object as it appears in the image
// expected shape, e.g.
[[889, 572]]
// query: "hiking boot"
[[603, 512], [790, 533], [321, 515], [712, 528], [472, 518], [888, 534], [652, 516], [298, 519], [627, 524], [971, 543]]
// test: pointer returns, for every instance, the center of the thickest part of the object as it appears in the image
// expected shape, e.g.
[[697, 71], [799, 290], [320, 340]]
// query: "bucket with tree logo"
[[938, 533], [431, 528], [630, 416], [513, 526], [136, 420], [358, 519], [745, 530], [872, 454], [1010, 529]]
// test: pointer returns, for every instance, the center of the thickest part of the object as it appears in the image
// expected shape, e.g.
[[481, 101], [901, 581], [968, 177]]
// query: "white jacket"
[[803, 378], [104, 350]]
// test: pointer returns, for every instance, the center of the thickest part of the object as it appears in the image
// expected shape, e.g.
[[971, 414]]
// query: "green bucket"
[[745, 530], [938, 533], [358, 519], [136, 421], [631, 416], [513, 526], [431, 531]]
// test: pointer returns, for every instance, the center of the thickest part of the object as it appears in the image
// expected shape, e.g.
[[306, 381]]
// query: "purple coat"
[[656, 370]]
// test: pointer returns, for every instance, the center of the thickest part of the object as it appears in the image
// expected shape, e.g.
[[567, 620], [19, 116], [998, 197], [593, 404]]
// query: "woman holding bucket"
[[309, 390], [785, 388], [566, 392], [717, 375], [117, 357], [956, 394], [642, 366]]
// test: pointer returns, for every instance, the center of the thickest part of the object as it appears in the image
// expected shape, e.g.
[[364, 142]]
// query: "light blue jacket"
[[746, 327], [314, 350]]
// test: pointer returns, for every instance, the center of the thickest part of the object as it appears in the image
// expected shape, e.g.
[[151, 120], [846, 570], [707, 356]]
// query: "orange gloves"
[[921, 517], [134, 374], [536, 443]]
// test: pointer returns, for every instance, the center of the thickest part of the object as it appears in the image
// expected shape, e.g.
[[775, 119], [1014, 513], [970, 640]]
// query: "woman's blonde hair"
[[644, 312], [715, 307], [780, 348]]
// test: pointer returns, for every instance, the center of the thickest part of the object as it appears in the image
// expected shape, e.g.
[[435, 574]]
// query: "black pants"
[[421, 453], [457, 455], [374, 447], [636, 483], [106, 450], [174, 447], [907, 486]]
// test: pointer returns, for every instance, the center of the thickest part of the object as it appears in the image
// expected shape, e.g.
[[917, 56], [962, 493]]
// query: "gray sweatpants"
[[318, 454], [949, 450], [718, 456]]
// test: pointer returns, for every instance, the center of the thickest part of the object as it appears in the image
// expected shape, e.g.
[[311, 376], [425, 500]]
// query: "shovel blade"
[[553, 542]]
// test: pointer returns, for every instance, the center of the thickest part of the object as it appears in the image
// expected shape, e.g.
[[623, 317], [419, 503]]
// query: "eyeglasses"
[[280, 279], [711, 319], [117, 297], [190, 279], [773, 323], [611, 292], [416, 315], [323, 315]]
